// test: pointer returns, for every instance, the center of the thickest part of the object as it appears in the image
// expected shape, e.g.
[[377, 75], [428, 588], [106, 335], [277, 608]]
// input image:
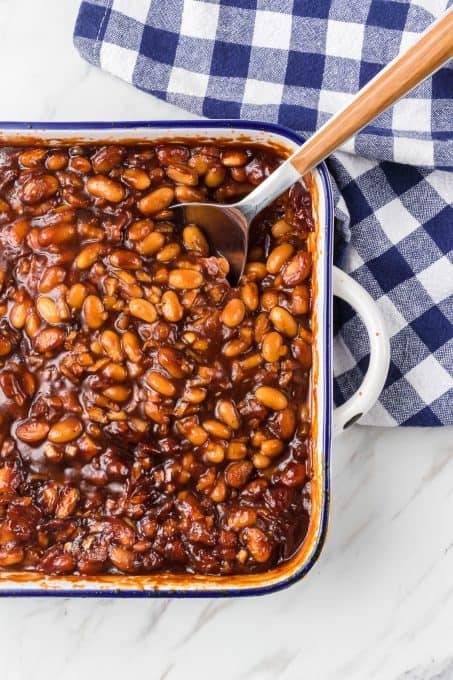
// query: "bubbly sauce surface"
[[152, 417]]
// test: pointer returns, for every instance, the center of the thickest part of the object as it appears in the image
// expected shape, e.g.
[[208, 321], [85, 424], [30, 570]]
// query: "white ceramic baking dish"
[[327, 422]]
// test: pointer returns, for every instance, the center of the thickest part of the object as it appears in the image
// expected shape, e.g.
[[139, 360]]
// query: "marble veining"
[[379, 602]]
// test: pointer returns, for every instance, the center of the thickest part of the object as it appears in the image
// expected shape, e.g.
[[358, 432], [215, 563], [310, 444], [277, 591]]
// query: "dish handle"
[[368, 393]]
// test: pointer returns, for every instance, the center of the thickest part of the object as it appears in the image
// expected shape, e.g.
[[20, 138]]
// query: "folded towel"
[[296, 62]]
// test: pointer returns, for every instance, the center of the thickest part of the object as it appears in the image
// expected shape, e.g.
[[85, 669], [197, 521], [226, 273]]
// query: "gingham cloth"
[[296, 62]]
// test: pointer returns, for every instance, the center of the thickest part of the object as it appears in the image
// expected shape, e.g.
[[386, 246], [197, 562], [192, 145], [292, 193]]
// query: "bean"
[[195, 240], [51, 278], [304, 413], [32, 157], [136, 178], [250, 295], [57, 160], [18, 230], [93, 312], [88, 256], [272, 447], [76, 295], [29, 383], [302, 352], [67, 504], [300, 300], [117, 393], [239, 174], [170, 361], [75, 198], [140, 229], [200, 162], [226, 410], [252, 361], [241, 517], [237, 474], [5, 346], [255, 270], [258, 438], [107, 158], [215, 176], [278, 257], [115, 371], [233, 313], [168, 252], [195, 395], [56, 235], [214, 453], [102, 186], [294, 475], [185, 278], [171, 307], [185, 194], [131, 347], [269, 299], [111, 344], [154, 413], [236, 450], [39, 188], [233, 158], [272, 398], [80, 164], [163, 216], [219, 492], [126, 277], [65, 430], [49, 339], [142, 309], [18, 314], [271, 346], [260, 461], [10, 556], [306, 335], [261, 326], [182, 174], [235, 347], [156, 200], [161, 384], [32, 431], [283, 321], [121, 558], [48, 310], [151, 244], [297, 268], [258, 544], [172, 153], [217, 429], [125, 259], [280, 228], [196, 435], [286, 423]]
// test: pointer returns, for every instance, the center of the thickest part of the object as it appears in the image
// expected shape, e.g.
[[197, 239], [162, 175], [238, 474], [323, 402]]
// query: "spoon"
[[227, 226]]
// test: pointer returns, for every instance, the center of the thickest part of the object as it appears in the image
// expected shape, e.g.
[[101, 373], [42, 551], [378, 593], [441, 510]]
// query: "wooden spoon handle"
[[429, 53]]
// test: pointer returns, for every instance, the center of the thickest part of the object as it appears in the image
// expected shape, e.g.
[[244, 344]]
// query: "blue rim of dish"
[[259, 126]]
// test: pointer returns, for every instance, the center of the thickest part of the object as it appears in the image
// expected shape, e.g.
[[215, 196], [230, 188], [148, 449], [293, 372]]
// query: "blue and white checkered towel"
[[296, 62]]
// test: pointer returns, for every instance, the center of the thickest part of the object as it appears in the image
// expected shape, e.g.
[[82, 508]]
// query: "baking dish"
[[326, 422]]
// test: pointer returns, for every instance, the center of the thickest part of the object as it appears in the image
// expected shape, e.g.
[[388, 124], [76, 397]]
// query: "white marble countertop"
[[379, 602]]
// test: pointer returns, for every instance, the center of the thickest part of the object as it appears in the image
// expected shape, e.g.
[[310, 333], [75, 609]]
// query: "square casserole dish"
[[184, 585]]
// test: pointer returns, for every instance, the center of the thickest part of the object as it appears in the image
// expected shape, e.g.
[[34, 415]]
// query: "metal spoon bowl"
[[227, 227]]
